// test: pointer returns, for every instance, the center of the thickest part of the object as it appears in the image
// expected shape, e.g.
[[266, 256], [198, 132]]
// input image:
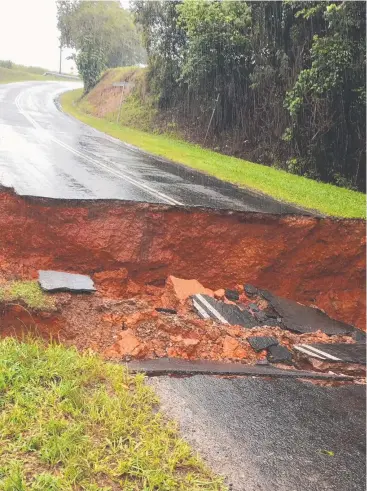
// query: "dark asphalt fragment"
[[279, 354], [259, 343], [166, 311], [303, 319], [232, 294], [250, 290], [59, 281], [207, 306], [261, 316], [359, 336], [176, 366], [337, 352]]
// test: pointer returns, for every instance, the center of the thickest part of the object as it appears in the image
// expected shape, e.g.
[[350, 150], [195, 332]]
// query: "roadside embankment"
[[128, 114], [311, 260]]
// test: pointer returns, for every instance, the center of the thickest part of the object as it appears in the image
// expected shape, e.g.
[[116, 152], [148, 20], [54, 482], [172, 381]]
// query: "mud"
[[126, 246], [131, 328]]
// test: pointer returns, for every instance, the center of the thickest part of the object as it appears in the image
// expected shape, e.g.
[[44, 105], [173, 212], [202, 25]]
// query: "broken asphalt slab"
[[259, 343], [338, 352], [209, 307], [279, 354], [59, 281], [176, 366], [303, 319]]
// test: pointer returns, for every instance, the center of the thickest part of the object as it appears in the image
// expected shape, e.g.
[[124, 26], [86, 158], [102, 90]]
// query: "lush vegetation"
[[286, 80], [103, 35], [307, 193], [71, 421]]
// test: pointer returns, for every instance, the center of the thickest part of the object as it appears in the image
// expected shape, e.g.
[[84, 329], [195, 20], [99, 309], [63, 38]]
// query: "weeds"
[[70, 421]]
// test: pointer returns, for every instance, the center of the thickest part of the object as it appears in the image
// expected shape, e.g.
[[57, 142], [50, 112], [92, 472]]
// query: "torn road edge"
[[171, 366]]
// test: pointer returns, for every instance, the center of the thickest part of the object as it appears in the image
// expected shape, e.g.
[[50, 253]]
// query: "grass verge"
[[281, 185], [71, 421], [27, 292], [9, 75]]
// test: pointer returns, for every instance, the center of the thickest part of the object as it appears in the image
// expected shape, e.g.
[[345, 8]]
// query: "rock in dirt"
[[59, 281], [178, 290], [219, 294], [259, 343], [279, 354]]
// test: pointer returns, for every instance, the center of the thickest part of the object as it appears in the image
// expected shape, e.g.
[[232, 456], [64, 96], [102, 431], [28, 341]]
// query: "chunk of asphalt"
[[232, 294], [303, 319], [250, 290], [175, 366], [272, 322], [259, 343], [338, 352], [279, 354], [166, 311], [261, 316], [59, 281], [359, 336], [208, 307]]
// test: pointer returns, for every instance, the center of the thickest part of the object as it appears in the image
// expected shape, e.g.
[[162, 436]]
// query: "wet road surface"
[[272, 434], [44, 152]]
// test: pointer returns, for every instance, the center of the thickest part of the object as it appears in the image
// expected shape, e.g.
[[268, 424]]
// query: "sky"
[[29, 35]]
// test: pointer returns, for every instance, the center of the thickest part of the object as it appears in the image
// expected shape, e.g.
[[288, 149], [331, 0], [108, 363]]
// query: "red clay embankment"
[[312, 260]]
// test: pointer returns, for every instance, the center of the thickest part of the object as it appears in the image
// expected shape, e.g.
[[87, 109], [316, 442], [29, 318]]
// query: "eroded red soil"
[[129, 246], [131, 328]]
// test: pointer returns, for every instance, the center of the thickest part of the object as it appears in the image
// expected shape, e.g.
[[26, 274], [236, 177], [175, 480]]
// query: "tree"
[[103, 35], [290, 76]]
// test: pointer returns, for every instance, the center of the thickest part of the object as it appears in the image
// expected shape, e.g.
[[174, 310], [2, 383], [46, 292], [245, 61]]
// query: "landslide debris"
[[143, 325]]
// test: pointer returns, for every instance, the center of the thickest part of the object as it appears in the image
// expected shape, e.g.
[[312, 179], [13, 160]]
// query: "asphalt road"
[[272, 434], [44, 152]]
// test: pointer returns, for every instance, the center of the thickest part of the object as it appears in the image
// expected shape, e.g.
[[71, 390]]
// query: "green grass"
[[9, 75], [70, 421], [27, 292], [309, 194]]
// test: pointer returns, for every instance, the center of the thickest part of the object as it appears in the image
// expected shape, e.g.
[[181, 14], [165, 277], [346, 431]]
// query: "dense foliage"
[[286, 79], [103, 35]]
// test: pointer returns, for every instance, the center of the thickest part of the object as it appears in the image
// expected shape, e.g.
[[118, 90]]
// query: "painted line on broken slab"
[[316, 353], [200, 309], [211, 309]]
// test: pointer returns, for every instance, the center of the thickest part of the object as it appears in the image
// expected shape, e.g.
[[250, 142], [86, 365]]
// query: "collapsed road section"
[[188, 283]]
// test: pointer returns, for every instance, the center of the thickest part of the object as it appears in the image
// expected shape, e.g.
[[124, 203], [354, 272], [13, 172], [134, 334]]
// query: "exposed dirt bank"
[[126, 245]]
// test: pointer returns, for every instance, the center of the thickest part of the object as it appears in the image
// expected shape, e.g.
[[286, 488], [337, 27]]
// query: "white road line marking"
[[200, 309], [307, 352], [119, 174], [212, 309], [322, 353]]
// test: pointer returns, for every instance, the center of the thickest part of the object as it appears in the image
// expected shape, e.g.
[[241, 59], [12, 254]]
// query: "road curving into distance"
[[44, 152]]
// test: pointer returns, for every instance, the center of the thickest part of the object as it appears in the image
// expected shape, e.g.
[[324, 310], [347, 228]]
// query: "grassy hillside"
[[100, 109], [11, 72]]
